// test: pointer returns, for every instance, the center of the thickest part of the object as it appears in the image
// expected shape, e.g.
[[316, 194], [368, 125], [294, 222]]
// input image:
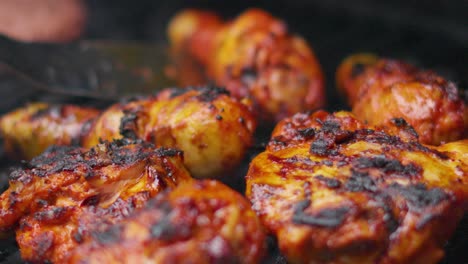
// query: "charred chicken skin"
[[335, 190], [28, 131], [213, 129], [379, 90], [198, 222], [65, 193], [253, 55]]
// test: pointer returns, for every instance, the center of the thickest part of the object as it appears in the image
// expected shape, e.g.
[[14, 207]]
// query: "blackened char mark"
[[415, 145], [306, 133], [330, 218], [210, 93], [54, 159], [343, 136], [91, 201], [78, 237], [360, 181], [387, 165], [419, 196], [323, 146], [357, 69], [295, 161], [332, 129], [279, 141], [116, 143], [13, 199], [51, 214], [381, 137], [19, 174], [329, 126], [401, 123], [378, 137], [53, 154], [122, 156], [128, 124], [329, 182], [389, 217], [168, 152]]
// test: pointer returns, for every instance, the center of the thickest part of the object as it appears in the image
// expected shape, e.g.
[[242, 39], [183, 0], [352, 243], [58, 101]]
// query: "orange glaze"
[[63, 195], [253, 55], [212, 128], [333, 189], [28, 131], [199, 222], [380, 90]]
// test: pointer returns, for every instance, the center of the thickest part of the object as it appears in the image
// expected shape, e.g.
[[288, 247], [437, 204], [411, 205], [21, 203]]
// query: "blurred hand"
[[42, 20]]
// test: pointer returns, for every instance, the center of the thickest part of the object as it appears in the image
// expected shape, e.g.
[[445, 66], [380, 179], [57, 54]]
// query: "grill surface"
[[432, 36]]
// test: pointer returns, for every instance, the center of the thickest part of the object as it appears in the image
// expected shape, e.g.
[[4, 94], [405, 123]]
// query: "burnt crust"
[[328, 218], [69, 158], [204, 93], [189, 217], [128, 123], [346, 185]]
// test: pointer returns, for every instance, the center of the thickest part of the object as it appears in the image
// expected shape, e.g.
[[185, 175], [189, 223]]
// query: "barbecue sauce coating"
[[213, 129], [353, 193], [380, 90], [253, 55], [197, 222], [28, 131], [60, 197]]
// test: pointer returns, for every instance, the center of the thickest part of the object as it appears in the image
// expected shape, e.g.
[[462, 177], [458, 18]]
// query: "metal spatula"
[[95, 69]]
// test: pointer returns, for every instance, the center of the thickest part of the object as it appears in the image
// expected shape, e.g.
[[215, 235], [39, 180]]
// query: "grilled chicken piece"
[[379, 90], [198, 222], [253, 55], [213, 129], [65, 193], [28, 131], [334, 190]]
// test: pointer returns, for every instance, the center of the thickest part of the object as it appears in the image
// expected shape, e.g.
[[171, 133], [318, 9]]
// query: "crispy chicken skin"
[[253, 55], [197, 222], [28, 131], [213, 129], [379, 90], [335, 190], [65, 193]]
